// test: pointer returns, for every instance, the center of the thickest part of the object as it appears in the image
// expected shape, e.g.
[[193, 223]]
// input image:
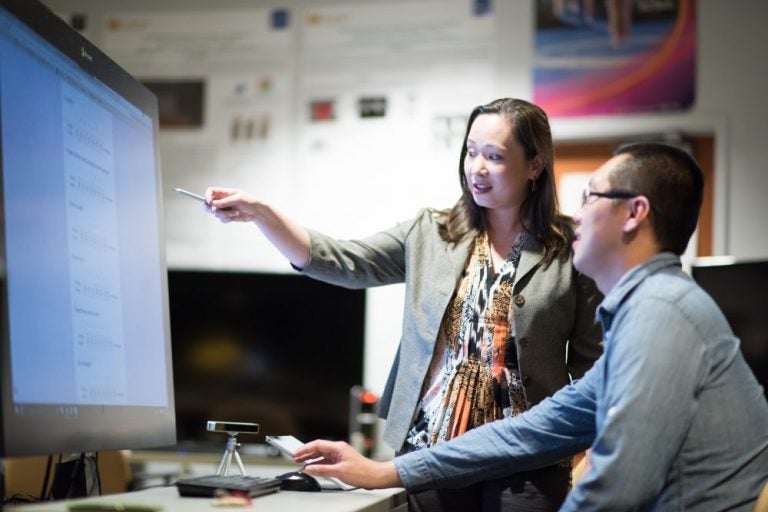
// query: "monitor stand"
[[76, 478]]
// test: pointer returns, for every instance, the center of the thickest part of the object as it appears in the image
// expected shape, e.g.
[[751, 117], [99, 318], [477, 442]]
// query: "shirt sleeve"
[[653, 365], [373, 261], [556, 428]]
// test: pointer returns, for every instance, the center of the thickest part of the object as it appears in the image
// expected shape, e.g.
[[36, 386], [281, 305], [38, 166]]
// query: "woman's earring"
[[533, 185]]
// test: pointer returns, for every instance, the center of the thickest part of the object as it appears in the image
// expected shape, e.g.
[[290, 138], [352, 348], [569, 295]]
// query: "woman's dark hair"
[[539, 213]]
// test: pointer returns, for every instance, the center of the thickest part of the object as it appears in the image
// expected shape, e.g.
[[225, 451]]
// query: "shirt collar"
[[628, 282]]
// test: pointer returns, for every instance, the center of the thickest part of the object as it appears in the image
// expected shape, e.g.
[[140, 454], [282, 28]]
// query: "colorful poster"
[[597, 57]]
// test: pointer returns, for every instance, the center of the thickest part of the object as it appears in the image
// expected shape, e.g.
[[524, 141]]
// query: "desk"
[[385, 500]]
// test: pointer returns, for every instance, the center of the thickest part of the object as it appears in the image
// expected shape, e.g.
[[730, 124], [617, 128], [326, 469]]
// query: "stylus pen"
[[190, 194], [195, 196]]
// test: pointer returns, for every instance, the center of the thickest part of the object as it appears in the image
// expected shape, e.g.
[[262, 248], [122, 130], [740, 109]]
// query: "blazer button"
[[519, 300], [523, 342], [526, 380]]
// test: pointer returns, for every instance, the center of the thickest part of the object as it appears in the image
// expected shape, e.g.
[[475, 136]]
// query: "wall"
[[379, 177]]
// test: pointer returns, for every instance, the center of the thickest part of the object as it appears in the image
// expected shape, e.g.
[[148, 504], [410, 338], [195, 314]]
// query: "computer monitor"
[[740, 288], [84, 329], [280, 350]]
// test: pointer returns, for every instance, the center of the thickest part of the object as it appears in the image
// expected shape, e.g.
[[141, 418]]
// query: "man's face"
[[599, 225]]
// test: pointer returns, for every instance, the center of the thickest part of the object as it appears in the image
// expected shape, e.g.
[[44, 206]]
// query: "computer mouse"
[[298, 481]]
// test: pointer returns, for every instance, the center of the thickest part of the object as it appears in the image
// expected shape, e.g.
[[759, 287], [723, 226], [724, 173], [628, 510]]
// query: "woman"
[[496, 318]]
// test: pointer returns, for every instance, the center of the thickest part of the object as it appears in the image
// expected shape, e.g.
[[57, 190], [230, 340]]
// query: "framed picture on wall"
[[614, 56]]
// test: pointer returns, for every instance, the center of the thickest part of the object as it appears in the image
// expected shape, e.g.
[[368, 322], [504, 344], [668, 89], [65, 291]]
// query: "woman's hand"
[[345, 463], [231, 204]]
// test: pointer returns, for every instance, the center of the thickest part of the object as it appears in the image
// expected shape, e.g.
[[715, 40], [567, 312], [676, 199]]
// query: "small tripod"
[[229, 453], [232, 428]]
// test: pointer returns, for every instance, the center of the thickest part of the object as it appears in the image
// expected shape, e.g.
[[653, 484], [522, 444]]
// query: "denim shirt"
[[674, 417]]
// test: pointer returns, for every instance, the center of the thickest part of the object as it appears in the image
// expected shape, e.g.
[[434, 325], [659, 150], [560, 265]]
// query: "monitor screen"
[[280, 350], [741, 289], [84, 331]]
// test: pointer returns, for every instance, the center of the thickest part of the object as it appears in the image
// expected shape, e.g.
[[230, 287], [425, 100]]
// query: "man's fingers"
[[321, 470], [312, 450]]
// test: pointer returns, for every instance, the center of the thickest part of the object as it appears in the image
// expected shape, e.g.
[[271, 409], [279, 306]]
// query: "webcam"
[[233, 427]]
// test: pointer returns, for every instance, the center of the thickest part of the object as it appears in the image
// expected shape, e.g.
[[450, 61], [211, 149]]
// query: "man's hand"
[[345, 463]]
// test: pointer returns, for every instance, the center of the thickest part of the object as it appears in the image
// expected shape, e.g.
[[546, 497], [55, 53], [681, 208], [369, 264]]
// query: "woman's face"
[[495, 166]]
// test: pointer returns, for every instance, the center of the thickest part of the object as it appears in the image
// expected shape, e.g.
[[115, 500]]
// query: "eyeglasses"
[[611, 194]]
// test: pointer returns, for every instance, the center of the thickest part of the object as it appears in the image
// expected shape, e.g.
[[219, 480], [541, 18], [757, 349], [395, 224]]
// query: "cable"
[[47, 476], [50, 491], [98, 474]]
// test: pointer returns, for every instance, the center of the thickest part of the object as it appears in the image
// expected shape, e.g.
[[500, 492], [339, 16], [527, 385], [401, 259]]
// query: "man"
[[673, 415]]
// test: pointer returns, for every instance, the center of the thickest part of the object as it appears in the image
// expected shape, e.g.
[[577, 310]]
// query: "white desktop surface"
[[384, 500]]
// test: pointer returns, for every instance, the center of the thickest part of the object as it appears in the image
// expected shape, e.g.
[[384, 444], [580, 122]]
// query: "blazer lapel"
[[531, 255], [453, 265]]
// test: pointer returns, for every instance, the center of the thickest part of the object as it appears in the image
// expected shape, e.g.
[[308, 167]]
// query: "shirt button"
[[612, 411], [526, 380], [519, 300]]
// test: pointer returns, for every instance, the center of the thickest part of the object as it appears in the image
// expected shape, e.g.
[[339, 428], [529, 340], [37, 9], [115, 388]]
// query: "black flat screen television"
[[85, 355], [280, 350], [740, 288]]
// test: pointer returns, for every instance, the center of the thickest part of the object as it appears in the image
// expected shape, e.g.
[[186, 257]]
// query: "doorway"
[[574, 159]]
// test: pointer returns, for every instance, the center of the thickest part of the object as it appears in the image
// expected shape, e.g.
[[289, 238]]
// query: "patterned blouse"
[[473, 378]]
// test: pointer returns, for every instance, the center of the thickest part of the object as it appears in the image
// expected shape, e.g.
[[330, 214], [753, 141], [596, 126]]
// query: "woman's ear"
[[537, 167]]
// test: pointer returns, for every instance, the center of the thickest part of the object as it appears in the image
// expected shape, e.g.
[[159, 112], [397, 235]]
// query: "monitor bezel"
[[124, 427]]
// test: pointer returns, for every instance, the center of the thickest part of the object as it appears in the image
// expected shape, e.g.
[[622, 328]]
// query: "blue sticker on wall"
[[481, 7], [280, 19]]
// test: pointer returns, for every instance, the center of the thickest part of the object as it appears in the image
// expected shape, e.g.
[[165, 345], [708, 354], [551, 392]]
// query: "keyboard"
[[208, 485]]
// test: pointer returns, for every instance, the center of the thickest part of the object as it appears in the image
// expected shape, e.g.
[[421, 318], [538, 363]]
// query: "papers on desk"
[[333, 484]]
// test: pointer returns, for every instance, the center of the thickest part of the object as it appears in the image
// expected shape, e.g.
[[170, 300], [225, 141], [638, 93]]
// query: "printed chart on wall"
[[596, 57], [383, 101], [224, 82], [361, 106]]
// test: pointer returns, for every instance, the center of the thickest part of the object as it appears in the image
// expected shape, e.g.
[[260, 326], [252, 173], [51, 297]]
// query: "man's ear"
[[638, 212]]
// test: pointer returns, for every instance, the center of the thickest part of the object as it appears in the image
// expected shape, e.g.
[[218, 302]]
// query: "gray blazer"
[[554, 309]]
